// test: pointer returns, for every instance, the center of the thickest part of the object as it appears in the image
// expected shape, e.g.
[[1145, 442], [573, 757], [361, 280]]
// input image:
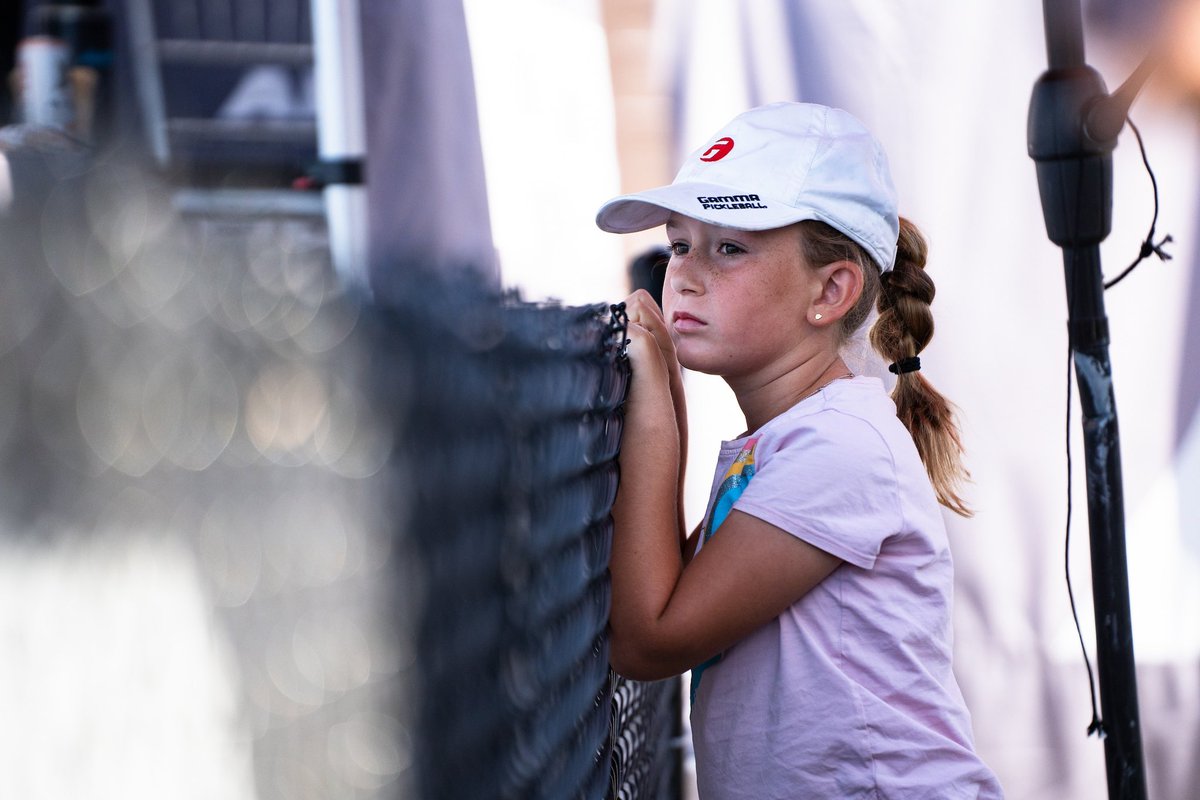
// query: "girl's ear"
[[841, 284]]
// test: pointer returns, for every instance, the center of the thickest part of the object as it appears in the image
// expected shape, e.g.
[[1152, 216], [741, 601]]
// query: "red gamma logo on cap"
[[719, 150]]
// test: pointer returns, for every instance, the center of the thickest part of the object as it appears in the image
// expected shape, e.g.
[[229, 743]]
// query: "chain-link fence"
[[512, 472]]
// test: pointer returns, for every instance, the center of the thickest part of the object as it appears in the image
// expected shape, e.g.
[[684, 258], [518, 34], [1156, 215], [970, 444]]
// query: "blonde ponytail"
[[902, 330]]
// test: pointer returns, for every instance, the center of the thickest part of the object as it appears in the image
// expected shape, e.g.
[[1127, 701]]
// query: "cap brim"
[[651, 208]]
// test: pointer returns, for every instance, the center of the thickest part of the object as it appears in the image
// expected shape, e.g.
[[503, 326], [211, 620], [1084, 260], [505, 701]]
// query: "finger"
[[643, 338], [643, 310]]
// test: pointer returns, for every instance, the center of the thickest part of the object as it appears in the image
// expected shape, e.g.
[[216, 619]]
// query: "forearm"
[[665, 619], [679, 405], [646, 559], [645, 313]]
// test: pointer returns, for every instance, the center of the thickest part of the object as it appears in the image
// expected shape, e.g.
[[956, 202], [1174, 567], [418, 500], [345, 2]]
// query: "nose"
[[683, 274]]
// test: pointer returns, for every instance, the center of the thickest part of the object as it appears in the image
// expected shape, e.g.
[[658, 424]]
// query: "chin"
[[695, 363]]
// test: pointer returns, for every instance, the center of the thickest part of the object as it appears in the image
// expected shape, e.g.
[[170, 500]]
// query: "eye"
[[678, 248], [729, 249]]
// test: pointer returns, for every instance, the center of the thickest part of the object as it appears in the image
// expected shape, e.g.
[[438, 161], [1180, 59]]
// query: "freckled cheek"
[[668, 307]]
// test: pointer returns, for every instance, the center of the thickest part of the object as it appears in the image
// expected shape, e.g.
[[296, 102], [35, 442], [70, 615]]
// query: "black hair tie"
[[910, 364]]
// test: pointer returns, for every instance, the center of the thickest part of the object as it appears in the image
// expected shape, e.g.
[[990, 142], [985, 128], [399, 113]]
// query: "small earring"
[[817, 316]]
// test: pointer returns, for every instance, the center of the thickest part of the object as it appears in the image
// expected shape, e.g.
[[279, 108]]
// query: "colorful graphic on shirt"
[[736, 479]]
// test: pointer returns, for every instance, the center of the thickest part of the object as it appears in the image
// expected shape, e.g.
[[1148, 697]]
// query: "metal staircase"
[[245, 164], [234, 165]]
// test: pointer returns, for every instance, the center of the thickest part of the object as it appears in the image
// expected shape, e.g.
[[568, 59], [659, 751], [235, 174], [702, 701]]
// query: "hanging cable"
[[1097, 725], [1148, 246]]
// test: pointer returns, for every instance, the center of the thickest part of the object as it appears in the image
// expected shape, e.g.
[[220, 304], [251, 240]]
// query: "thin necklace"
[[826, 384]]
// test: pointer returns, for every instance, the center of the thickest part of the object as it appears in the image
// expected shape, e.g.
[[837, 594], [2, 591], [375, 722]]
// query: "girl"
[[812, 604]]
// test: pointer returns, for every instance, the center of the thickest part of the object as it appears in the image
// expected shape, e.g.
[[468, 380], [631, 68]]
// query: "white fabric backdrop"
[[546, 120]]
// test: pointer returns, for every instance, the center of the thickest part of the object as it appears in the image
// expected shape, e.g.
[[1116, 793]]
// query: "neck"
[[765, 398]]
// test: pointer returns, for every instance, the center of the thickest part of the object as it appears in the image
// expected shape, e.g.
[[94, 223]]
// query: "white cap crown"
[[773, 166]]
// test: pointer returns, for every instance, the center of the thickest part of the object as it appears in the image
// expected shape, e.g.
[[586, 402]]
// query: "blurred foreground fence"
[[514, 430], [261, 540]]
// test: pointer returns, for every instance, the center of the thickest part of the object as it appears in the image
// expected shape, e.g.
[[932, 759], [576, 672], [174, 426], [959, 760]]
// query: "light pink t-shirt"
[[849, 693]]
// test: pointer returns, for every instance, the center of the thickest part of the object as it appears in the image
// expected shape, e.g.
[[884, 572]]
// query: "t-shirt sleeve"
[[830, 482]]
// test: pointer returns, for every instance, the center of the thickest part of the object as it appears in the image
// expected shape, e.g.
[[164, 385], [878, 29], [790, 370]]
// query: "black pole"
[[1110, 583], [1074, 170]]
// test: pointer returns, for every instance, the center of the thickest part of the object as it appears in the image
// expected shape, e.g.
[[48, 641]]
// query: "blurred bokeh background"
[[201, 430]]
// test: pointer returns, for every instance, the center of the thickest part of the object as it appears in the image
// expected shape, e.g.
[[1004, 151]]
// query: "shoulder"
[[827, 473], [851, 427]]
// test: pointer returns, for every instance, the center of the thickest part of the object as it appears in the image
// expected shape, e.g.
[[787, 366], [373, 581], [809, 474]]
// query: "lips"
[[684, 322]]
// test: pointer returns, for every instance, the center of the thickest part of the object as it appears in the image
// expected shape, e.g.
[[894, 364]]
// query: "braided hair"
[[903, 329]]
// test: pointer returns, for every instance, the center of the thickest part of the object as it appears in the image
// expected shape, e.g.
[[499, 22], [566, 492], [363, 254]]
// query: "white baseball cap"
[[772, 166]]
